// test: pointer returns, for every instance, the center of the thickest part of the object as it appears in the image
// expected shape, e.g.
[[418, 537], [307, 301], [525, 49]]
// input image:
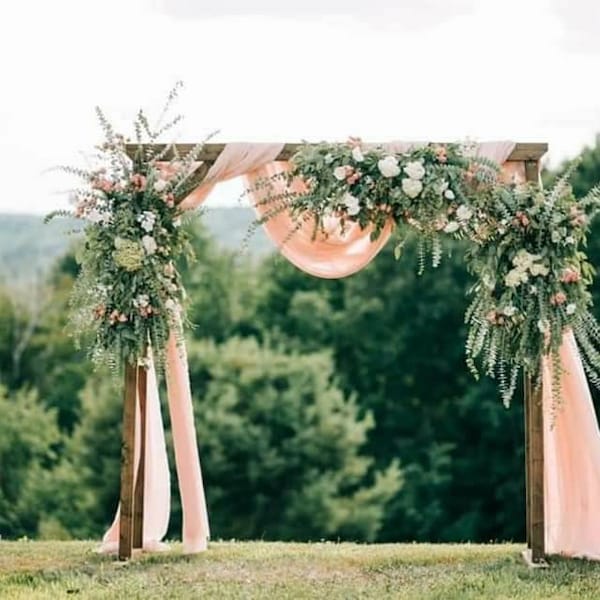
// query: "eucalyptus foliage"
[[129, 293], [526, 243]]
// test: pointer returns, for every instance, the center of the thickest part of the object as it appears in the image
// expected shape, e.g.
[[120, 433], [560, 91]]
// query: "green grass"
[[31, 570]]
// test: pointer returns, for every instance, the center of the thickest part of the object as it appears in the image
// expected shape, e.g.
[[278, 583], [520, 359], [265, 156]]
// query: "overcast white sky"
[[271, 70]]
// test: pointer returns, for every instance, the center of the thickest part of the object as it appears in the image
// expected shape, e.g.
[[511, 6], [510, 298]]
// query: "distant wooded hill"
[[28, 247]]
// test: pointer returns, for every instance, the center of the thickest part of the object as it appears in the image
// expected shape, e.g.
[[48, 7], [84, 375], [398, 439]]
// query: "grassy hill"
[[280, 571], [28, 247]]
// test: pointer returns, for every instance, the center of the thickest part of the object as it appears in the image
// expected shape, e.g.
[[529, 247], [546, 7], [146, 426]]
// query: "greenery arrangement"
[[129, 294], [525, 242]]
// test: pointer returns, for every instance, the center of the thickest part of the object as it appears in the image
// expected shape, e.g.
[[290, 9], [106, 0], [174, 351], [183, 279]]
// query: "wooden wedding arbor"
[[131, 534]]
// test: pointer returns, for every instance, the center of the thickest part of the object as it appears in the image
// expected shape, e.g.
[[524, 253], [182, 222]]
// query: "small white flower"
[[388, 166], [171, 305], [328, 159], [449, 195], [411, 187], [177, 222], [569, 239], [463, 212], [451, 227], [150, 245], [141, 301], [340, 173], [351, 203], [357, 154], [555, 237], [510, 310], [542, 326], [515, 277], [160, 185], [539, 269], [571, 308], [533, 290], [147, 220], [415, 169]]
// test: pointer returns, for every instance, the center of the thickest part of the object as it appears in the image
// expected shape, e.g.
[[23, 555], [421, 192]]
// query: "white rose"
[[515, 277], [542, 326], [539, 269], [415, 169], [463, 212], [510, 310], [357, 154], [351, 203], [340, 173], [449, 195], [451, 227], [150, 245], [571, 308], [388, 166], [171, 305], [411, 187], [555, 237], [328, 159], [160, 185], [569, 239]]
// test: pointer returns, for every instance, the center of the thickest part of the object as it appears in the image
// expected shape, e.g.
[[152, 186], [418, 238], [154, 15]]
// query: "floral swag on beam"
[[329, 202]]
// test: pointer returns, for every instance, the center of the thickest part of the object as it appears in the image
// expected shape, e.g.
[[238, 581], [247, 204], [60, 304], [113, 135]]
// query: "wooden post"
[[138, 502], [534, 450], [527, 416], [127, 463]]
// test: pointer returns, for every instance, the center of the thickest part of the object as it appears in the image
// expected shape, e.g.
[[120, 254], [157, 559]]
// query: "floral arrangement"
[[525, 250], [128, 295]]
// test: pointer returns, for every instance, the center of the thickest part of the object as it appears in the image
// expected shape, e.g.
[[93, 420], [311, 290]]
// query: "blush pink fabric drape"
[[571, 461], [157, 484]]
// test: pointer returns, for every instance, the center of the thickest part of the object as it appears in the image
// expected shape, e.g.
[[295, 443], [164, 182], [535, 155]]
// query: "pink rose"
[[570, 275], [558, 299]]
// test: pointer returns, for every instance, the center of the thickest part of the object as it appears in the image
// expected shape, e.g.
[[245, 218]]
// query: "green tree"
[[282, 448], [28, 436]]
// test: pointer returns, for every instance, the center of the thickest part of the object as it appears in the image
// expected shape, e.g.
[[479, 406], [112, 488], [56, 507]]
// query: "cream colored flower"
[[539, 269], [452, 227], [463, 212], [357, 154], [571, 308], [388, 166], [516, 277], [411, 187], [351, 203], [415, 169], [150, 245], [160, 185], [340, 173]]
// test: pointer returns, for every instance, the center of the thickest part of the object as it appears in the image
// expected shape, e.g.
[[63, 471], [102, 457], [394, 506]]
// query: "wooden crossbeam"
[[210, 152]]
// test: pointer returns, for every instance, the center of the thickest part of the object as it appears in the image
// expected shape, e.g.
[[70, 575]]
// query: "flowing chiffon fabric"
[[571, 445], [571, 461]]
